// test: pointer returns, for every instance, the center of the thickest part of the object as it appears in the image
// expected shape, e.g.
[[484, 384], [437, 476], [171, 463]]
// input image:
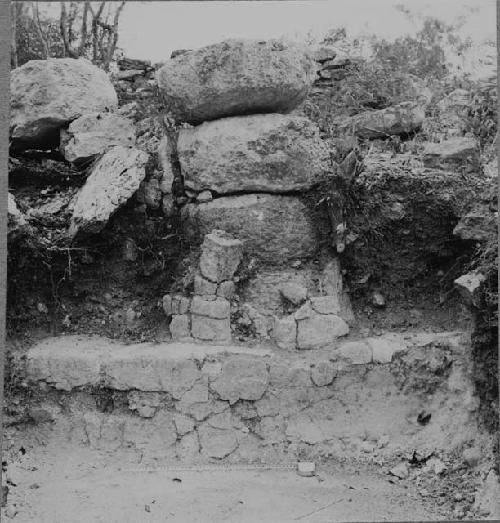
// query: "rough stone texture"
[[316, 330], [479, 224], [216, 443], [114, 179], [166, 152], [326, 304], [149, 372], [469, 287], [150, 193], [145, 403], [453, 150], [241, 378], [51, 361], [211, 329], [293, 292], [323, 373], [285, 332], [179, 327], [259, 153], [204, 287], [399, 119], [15, 218], [273, 228], [217, 309], [384, 347], [220, 256], [226, 289], [303, 428], [357, 352], [48, 94], [183, 424], [152, 439], [236, 77], [487, 499], [94, 134], [263, 292]]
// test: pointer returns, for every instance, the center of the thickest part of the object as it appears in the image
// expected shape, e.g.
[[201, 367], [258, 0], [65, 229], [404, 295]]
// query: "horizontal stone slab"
[[270, 153]]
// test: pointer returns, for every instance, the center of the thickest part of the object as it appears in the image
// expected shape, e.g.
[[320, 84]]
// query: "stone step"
[[368, 398]]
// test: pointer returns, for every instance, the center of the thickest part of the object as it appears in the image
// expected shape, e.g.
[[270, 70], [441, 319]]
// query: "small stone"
[[368, 447], [204, 287], [400, 471], [284, 332], [472, 456], [469, 286], [204, 196], [226, 289], [458, 496], [294, 293], [306, 468], [323, 373], [220, 257], [378, 300], [11, 511], [357, 352], [42, 308], [183, 424], [179, 327]]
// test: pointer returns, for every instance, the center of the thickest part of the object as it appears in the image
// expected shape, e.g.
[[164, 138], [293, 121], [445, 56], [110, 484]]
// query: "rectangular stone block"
[[210, 329], [179, 327], [217, 309], [204, 287]]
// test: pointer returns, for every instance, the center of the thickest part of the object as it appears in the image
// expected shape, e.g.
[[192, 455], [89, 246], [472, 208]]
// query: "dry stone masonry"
[[206, 316]]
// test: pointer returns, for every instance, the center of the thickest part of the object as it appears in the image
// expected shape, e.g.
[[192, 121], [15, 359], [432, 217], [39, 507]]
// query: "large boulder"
[[236, 77], [399, 119], [94, 134], [114, 179], [48, 94], [273, 228], [269, 153]]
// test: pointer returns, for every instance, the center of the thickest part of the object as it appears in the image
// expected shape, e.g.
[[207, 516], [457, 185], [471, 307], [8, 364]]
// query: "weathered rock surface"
[[216, 443], [273, 228], [479, 224], [241, 378], [220, 256], [236, 77], [293, 292], [48, 94], [469, 286], [114, 179], [259, 153], [457, 149], [398, 119], [285, 332], [318, 330], [211, 329], [15, 218], [94, 134]]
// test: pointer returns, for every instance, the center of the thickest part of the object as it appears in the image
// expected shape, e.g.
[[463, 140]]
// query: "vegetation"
[[88, 29]]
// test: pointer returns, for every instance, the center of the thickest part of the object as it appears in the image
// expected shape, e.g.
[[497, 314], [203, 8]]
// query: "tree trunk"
[[38, 26], [13, 34]]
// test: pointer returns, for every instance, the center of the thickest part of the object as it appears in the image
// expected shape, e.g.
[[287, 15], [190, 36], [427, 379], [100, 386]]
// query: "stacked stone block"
[[206, 315]]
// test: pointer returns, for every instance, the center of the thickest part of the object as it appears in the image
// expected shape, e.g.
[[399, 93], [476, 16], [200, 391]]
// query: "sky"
[[152, 30]]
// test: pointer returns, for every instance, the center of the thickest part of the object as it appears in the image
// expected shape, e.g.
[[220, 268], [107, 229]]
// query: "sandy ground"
[[74, 484]]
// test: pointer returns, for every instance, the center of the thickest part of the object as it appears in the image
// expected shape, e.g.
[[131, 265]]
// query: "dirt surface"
[[70, 484]]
